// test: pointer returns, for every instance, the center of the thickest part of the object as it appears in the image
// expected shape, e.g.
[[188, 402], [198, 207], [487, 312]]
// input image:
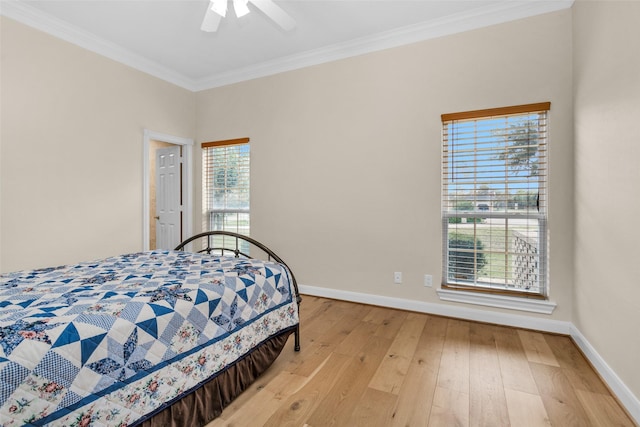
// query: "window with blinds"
[[226, 186], [494, 200]]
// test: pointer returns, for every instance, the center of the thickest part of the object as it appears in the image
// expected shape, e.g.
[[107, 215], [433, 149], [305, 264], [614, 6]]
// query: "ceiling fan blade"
[[211, 20], [275, 12]]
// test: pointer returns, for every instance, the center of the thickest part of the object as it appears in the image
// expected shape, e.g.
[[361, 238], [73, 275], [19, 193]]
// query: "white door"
[[168, 203]]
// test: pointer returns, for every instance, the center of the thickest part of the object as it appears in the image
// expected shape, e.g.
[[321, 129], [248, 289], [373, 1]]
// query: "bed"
[[155, 338]]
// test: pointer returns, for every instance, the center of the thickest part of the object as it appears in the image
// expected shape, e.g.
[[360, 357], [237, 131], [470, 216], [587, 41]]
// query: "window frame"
[[207, 187], [540, 216]]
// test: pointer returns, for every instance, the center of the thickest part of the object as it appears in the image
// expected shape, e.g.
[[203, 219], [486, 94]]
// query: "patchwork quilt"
[[106, 343]]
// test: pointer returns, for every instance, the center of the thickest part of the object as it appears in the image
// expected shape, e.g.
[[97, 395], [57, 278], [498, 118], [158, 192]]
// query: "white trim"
[[476, 18], [470, 20], [617, 386], [498, 301], [516, 320], [187, 184], [34, 17]]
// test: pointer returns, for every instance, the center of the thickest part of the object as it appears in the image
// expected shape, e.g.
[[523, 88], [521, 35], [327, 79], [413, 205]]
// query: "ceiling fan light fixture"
[[211, 21], [217, 10], [240, 7], [219, 7]]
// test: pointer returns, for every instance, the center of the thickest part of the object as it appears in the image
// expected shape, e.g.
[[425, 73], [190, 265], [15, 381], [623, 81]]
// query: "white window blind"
[[226, 185], [494, 200]]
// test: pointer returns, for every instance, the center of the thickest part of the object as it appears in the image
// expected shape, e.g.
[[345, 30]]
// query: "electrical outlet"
[[397, 277], [428, 280]]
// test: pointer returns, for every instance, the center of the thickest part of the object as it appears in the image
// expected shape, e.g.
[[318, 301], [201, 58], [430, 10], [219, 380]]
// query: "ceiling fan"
[[217, 10]]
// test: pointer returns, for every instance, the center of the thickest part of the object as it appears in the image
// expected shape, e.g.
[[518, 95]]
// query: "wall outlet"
[[397, 277], [428, 280]]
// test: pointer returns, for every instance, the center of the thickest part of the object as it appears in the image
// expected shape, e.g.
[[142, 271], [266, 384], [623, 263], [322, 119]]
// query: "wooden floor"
[[370, 366]]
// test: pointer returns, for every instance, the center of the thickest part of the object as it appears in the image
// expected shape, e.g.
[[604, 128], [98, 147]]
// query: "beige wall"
[[71, 149], [346, 155], [607, 196]]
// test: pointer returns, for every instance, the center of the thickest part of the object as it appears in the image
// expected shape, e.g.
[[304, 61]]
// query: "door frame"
[[187, 181]]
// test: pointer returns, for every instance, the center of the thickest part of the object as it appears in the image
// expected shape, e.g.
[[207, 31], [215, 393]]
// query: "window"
[[494, 200], [225, 178]]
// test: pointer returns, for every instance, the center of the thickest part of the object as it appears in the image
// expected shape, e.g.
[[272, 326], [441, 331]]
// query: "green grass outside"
[[495, 247]]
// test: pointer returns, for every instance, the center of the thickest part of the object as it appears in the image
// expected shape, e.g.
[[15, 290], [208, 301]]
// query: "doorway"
[[177, 226]]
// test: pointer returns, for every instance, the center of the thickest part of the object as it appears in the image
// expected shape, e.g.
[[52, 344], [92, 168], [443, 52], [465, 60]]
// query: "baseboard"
[[622, 392], [619, 388], [448, 310]]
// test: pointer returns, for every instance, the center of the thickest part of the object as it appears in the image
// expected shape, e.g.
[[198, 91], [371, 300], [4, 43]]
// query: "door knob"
[[157, 217]]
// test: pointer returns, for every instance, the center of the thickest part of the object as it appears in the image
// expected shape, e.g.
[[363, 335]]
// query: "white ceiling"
[[163, 37]]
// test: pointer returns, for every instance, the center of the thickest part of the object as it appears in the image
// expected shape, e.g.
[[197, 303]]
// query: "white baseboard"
[[619, 388], [622, 392], [448, 310]]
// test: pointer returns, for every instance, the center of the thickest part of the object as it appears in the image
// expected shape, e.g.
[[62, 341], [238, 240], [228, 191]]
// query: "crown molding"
[[33, 17], [470, 20], [473, 19]]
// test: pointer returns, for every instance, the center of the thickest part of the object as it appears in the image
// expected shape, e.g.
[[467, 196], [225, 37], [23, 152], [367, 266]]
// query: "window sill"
[[499, 301]]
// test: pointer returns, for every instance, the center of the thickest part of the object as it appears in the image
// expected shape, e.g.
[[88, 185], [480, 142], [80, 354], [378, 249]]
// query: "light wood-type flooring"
[[363, 365]]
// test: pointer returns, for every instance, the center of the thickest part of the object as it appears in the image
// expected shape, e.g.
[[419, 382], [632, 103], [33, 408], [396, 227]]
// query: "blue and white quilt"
[[106, 343]]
